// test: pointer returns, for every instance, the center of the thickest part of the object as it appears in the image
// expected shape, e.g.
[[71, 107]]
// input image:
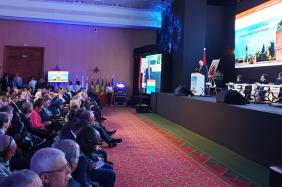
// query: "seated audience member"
[[7, 149], [66, 95], [279, 79], [50, 86], [51, 166], [22, 178], [87, 170], [37, 121], [25, 96], [5, 81], [263, 79], [239, 79], [72, 128], [14, 102], [5, 122], [72, 153], [261, 94], [27, 108], [74, 106], [47, 116], [104, 133], [92, 103], [9, 110], [55, 105], [17, 129]]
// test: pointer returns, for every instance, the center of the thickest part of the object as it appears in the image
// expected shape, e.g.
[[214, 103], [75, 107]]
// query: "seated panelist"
[[239, 79], [263, 79], [279, 79]]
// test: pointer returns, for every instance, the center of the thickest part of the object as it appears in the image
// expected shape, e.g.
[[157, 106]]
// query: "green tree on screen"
[[279, 27]]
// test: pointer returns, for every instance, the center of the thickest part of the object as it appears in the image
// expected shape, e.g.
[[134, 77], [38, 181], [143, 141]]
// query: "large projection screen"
[[258, 36]]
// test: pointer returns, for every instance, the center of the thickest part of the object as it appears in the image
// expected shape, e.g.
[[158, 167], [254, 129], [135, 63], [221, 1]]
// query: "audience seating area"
[[55, 136]]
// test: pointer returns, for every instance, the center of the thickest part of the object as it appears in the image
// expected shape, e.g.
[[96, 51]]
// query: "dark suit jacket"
[[263, 82], [239, 82], [15, 107], [278, 82], [5, 83], [203, 71], [68, 135], [147, 76], [82, 172], [72, 183], [44, 116]]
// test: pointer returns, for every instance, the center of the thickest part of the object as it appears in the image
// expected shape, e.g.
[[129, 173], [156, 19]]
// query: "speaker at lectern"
[[197, 84]]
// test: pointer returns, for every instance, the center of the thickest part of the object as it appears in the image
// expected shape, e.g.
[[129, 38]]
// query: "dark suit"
[[15, 107], [203, 70], [98, 153], [239, 81], [148, 74], [5, 83], [278, 82], [40, 85], [85, 175], [82, 172], [103, 133], [263, 82], [73, 183], [68, 135], [44, 115]]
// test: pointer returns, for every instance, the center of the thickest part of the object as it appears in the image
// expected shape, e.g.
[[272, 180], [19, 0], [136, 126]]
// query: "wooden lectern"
[[198, 84]]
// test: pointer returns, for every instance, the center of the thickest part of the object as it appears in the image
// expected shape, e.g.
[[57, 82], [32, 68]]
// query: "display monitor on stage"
[[150, 73], [58, 76], [258, 36]]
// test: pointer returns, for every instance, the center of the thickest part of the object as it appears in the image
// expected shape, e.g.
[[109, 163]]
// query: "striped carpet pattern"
[[149, 156]]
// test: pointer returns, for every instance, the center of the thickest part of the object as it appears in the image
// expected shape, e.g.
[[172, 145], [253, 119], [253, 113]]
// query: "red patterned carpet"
[[146, 158]]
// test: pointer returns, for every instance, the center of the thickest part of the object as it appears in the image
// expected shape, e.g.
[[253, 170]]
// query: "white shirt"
[[77, 87], [32, 84], [109, 89], [70, 87]]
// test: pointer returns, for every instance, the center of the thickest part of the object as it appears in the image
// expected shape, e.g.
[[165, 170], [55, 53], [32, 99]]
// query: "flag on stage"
[[204, 57], [113, 86], [113, 81], [106, 84], [86, 84], [97, 87], [92, 81], [102, 87], [103, 93], [82, 81]]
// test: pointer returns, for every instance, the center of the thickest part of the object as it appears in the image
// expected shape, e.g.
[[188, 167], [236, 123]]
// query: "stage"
[[251, 106], [252, 130]]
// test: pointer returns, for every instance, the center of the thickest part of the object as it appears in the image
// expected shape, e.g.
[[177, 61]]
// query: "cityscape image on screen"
[[258, 36]]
